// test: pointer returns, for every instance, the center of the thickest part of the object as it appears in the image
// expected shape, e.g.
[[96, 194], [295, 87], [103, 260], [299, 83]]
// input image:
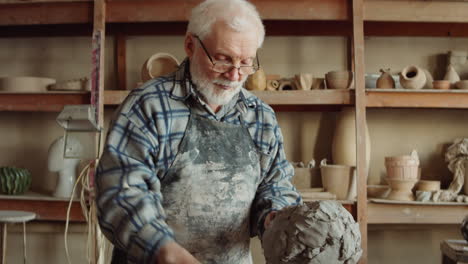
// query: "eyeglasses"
[[222, 67]]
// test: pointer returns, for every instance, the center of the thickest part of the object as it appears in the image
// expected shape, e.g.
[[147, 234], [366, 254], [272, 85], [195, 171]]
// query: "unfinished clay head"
[[321, 232]]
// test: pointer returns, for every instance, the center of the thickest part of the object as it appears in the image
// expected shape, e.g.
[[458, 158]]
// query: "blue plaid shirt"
[[143, 141]]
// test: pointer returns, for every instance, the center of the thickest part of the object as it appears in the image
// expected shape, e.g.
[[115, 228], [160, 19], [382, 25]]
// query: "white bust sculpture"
[[66, 168]]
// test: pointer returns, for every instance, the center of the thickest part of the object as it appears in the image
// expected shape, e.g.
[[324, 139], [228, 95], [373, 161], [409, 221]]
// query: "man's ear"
[[189, 45]]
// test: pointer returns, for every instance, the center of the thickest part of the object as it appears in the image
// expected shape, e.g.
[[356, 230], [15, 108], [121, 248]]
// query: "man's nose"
[[233, 74]]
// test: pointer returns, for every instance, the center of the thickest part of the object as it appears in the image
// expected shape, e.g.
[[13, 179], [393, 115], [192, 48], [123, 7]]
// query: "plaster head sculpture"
[[65, 167], [221, 43]]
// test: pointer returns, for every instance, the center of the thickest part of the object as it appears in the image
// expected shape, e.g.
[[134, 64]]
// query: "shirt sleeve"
[[128, 192], [276, 190]]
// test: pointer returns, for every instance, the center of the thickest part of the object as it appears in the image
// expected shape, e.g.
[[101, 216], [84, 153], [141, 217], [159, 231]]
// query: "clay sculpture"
[[321, 232]]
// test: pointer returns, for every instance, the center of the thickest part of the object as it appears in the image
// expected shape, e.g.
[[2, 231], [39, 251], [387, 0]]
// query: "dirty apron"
[[209, 189]]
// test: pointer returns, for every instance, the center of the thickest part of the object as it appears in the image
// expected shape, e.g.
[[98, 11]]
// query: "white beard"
[[210, 93]]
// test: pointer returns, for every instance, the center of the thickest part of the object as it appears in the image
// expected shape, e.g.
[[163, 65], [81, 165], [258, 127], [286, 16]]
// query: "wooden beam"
[[169, 10], [121, 61], [46, 30], [456, 99], [46, 13], [431, 29], [40, 1], [47, 102], [45, 210], [299, 98], [416, 11], [359, 70]]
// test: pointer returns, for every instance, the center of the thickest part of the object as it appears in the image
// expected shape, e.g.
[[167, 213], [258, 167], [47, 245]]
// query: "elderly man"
[[194, 164]]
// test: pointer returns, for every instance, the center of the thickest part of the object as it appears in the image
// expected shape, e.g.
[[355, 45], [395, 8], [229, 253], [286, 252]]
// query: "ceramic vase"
[[401, 189], [257, 81], [412, 77], [452, 76], [385, 81], [344, 141]]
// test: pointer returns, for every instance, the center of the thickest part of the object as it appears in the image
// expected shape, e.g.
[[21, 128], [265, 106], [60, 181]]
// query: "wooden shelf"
[[383, 213], [416, 11], [47, 208], [416, 98], [280, 98], [46, 102]]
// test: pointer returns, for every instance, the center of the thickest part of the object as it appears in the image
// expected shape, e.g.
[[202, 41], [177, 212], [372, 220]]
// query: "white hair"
[[240, 15]]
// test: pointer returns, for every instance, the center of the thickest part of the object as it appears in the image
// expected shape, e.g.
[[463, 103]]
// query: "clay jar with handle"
[[412, 77], [257, 81], [385, 81]]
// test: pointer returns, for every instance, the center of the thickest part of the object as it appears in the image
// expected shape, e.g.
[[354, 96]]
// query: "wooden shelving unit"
[[42, 102], [312, 97], [353, 19]]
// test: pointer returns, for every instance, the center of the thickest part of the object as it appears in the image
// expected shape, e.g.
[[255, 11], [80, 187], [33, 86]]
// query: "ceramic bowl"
[[441, 84], [339, 79], [157, 65], [463, 84], [377, 191], [427, 186]]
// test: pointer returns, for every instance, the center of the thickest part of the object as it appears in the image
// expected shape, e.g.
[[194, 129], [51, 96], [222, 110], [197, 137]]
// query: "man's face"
[[224, 45]]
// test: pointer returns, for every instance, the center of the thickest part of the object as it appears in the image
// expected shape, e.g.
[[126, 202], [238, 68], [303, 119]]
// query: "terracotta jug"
[[412, 77], [344, 140], [385, 81], [451, 75], [256, 81]]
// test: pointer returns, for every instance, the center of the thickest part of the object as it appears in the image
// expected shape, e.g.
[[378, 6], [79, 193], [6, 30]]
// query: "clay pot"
[[303, 81], [272, 85], [25, 84], [318, 83], [401, 189], [427, 186], [157, 65], [344, 139], [286, 84], [377, 191], [441, 84], [339, 80], [404, 167], [256, 81], [429, 79], [385, 81], [463, 84], [337, 179], [412, 77], [451, 75]]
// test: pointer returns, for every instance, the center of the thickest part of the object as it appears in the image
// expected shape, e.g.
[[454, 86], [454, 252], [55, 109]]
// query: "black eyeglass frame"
[[254, 67]]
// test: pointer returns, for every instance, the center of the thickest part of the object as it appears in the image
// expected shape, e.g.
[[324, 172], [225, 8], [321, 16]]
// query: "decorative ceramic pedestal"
[[401, 190]]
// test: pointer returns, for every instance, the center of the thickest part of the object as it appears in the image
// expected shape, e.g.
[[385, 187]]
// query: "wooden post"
[[359, 71]]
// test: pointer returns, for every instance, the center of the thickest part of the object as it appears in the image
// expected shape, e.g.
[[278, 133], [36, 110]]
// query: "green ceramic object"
[[14, 180]]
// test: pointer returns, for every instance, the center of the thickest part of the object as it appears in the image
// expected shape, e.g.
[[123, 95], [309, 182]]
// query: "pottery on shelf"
[[80, 84], [257, 81], [429, 79], [405, 167], [272, 85], [378, 191], [286, 84], [25, 84], [451, 75], [412, 77], [337, 179], [14, 181], [318, 83], [385, 81], [441, 84], [427, 186], [344, 139], [303, 81], [401, 189], [463, 84], [159, 64], [339, 80]]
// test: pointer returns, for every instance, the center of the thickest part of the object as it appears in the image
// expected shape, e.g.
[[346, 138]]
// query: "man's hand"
[[173, 253], [270, 216]]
